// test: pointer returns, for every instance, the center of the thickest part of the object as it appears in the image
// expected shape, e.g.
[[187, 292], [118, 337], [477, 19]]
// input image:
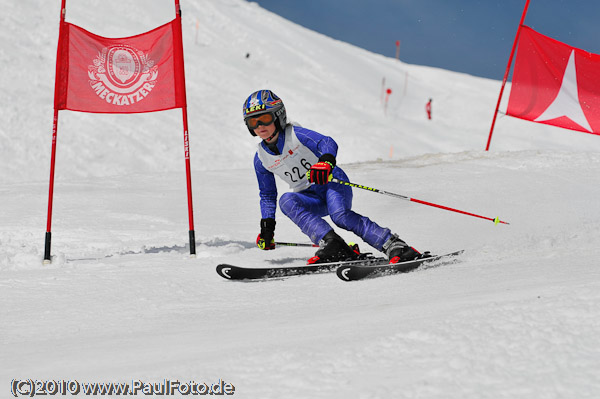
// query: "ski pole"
[[496, 220], [295, 244]]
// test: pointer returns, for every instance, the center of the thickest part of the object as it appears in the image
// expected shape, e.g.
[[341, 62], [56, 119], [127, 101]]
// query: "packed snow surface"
[[122, 301]]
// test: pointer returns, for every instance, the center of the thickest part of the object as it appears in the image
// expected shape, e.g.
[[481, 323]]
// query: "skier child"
[[302, 157]]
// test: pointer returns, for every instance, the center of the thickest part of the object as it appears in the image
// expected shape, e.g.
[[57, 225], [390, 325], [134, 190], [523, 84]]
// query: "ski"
[[359, 272], [231, 272]]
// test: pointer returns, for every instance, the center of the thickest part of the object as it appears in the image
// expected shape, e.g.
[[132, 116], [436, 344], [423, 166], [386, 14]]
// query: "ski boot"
[[334, 249], [399, 251]]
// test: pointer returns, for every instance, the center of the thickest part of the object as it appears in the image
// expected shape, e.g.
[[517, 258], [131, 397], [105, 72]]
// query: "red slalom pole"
[[178, 45], [59, 55], [512, 53], [496, 220]]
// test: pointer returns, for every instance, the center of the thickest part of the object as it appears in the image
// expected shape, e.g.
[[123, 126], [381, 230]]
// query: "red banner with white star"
[[555, 84], [141, 73]]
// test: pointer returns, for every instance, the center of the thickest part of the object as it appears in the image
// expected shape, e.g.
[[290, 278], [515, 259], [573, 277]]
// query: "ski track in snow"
[[517, 317]]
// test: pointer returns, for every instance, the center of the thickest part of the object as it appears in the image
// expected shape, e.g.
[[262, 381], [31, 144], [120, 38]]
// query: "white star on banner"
[[566, 102]]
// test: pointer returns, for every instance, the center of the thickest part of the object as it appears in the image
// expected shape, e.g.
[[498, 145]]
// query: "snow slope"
[[122, 301]]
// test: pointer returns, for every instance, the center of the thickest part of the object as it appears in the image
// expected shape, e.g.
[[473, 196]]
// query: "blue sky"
[[471, 36]]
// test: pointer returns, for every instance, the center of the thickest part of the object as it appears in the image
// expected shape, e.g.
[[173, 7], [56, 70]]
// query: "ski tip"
[[342, 273], [224, 271]]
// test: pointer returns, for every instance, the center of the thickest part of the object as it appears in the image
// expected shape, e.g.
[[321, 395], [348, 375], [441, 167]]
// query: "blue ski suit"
[[308, 204]]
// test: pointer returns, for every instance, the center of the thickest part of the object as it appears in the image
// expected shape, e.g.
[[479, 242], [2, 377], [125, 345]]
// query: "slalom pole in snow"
[[496, 220], [295, 244]]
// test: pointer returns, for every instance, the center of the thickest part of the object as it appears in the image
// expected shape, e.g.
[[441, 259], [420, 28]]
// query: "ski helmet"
[[264, 102]]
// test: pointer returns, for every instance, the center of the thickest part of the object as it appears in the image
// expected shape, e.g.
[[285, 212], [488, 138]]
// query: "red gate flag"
[[555, 84], [141, 73]]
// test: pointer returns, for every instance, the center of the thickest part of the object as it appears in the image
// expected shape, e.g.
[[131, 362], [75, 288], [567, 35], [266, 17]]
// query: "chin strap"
[[271, 136]]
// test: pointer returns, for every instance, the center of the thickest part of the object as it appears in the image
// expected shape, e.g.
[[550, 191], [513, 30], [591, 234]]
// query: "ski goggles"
[[256, 121]]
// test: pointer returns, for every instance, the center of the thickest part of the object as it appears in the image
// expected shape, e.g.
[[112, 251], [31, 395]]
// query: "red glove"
[[320, 172]]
